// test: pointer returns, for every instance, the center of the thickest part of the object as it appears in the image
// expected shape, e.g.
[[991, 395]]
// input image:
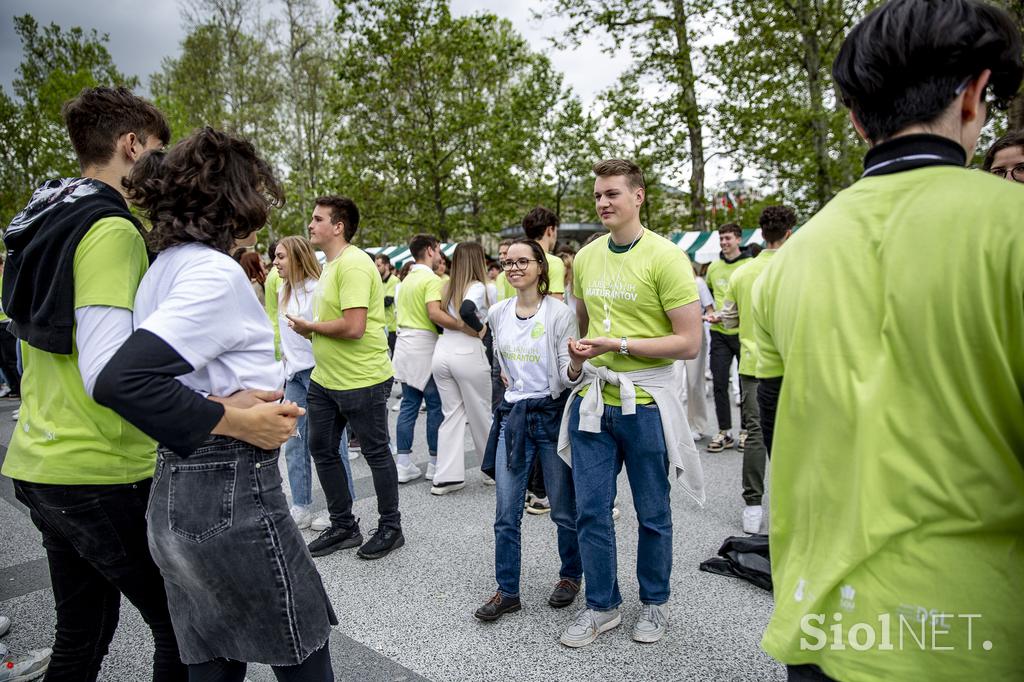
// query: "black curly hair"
[[774, 222], [210, 188]]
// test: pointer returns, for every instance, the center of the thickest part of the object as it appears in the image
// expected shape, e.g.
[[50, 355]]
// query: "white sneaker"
[[5, 625], [408, 472], [752, 516], [16, 414], [28, 666], [588, 625], [397, 406], [353, 455], [697, 435], [321, 522], [301, 515], [651, 625], [4, 390], [431, 468]]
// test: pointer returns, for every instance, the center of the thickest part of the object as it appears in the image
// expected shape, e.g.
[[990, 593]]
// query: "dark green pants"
[[754, 452]]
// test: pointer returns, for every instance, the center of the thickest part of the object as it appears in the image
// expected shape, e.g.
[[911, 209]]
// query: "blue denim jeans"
[[508, 513], [411, 399], [597, 458], [296, 450]]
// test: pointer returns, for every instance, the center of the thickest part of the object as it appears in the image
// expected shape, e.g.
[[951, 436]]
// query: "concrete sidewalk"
[[409, 616]]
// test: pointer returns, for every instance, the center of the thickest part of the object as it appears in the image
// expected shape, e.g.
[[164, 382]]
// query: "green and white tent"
[[702, 247], [400, 254]]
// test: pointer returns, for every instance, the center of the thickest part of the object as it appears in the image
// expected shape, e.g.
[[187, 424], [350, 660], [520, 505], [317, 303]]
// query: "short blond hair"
[[612, 167]]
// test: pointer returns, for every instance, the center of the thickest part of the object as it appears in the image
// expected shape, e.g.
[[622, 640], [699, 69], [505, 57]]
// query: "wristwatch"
[[623, 348]]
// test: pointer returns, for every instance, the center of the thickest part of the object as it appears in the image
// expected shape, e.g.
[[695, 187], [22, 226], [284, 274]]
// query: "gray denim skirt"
[[240, 582]]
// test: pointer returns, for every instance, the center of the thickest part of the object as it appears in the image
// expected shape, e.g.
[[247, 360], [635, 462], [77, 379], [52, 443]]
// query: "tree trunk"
[[819, 116], [691, 113]]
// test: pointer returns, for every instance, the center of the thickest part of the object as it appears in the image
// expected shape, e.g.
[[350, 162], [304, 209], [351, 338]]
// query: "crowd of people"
[[878, 355]]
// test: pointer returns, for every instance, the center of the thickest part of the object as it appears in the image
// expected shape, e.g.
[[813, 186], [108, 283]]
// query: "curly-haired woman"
[[240, 584]]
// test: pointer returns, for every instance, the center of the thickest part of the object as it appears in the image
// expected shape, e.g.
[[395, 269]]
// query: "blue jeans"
[[296, 450], [508, 513], [411, 399], [597, 458]]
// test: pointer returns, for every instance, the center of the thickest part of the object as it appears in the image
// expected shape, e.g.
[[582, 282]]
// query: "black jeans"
[[364, 411], [316, 668], [724, 347], [9, 357], [97, 549]]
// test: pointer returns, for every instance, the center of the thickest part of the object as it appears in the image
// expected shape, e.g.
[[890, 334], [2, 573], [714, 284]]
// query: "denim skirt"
[[240, 582]]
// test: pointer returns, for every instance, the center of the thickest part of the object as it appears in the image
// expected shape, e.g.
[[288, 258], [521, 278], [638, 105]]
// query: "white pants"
[[463, 379], [696, 397]]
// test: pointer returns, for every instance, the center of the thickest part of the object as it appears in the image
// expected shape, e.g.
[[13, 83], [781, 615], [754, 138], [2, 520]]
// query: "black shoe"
[[497, 606], [334, 538], [382, 542], [564, 594]]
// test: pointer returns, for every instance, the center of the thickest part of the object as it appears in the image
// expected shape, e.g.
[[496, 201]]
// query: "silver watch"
[[623, 348]]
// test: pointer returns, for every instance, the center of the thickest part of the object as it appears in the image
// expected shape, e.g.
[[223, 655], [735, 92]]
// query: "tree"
[[662, 35], [779, 108], [56, 65], [441, 115], [570, 148]]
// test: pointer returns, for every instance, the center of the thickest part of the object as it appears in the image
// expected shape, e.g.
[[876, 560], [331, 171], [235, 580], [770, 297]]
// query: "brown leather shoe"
[[564, 594], [497, 606]]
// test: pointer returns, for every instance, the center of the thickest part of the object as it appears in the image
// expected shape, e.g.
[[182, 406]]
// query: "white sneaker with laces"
[[752, 516], [431, 468], [408, 472], [302, 515], [651, 625], [588, 625], [28, 666], [321, 522]]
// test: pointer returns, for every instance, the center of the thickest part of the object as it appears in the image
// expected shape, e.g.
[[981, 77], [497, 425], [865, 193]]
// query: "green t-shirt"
[[271, 288], [896, 316], [633, 290], [505, 290], [63, 436], [390, 317], [351, 281], [717, 278], [556, 274], [739, 290], [419, 287]]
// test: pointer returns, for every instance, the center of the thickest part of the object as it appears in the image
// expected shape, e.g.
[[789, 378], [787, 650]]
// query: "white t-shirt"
[[524, 348], [296, 350], [706, 297], [199, 301], [476, 293]]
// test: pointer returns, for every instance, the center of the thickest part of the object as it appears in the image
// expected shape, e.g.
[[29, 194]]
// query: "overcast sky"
[[142, 34]]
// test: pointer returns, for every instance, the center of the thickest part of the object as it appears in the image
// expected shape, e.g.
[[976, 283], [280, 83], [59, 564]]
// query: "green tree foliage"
[[442, 117], [658, 93], [56, 65], [569, 148], [779, 109]]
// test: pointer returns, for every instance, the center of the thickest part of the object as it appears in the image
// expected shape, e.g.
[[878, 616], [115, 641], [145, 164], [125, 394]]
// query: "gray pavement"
[[409, 616]]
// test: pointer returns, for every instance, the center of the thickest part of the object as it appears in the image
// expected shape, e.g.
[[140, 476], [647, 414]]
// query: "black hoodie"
[[39, 284]]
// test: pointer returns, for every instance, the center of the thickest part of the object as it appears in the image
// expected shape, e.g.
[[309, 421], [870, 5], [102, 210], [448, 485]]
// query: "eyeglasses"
[[1016, 173], [518, 264]]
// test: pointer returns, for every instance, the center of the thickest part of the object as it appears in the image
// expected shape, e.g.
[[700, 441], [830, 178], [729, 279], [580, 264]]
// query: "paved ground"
[[409, 617]]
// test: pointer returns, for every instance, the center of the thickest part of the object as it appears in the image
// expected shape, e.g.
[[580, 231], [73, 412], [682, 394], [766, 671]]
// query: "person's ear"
[[640, 195], [860, 128], [972, 103]]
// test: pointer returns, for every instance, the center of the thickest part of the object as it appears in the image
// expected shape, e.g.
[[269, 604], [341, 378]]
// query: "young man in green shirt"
[[420, 316], [776, 224], [351, 381], [541, 225], [271, 289], [893, 320], [638, 304], [76, 258], [725, 343]]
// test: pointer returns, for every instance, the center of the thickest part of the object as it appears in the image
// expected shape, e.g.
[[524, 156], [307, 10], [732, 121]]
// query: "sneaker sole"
[[438, 490], [409, 480], [491, 619], [347, 544], [537, 512], [645, 638], [577, 643], [380, 555]]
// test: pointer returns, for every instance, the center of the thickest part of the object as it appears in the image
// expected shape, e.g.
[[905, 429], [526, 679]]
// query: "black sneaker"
[[382, 542], [497, 606], [334, 538], [564, 594]]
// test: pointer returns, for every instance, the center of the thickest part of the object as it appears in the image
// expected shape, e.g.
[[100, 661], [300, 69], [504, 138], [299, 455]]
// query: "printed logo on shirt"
[[517, 353], [620, 290], [537, 331]]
